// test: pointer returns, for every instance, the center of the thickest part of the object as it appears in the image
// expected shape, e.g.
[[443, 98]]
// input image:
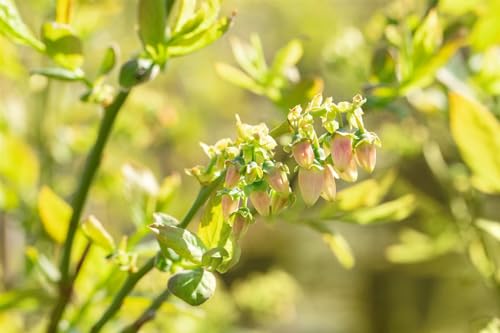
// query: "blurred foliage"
[[431, 74]]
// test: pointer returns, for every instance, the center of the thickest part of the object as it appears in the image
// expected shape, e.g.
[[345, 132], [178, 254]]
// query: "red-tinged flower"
[[261, 201], [240, 226], [366, 155], [232, 176], [350, 174], [278, 180], [303, 154], [329, 191], [279, 201], [310, 184], [341, 151], [229, 205]]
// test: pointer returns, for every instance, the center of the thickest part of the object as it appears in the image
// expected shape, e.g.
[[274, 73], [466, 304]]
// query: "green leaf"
[[213, 230], [13, 27], [185, 46], [109, 60], [19, 167], [287, 57], [63, 46], [194, 287], [182, 241], [390, 211], [491, 227], [54, 213], [238, 78], [427, 38], [475, 131], [340, 249], [60, 73], [416, 246], [185, 11], [95, 231], [152, 17]]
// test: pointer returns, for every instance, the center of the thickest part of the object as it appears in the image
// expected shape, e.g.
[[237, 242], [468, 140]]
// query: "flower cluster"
[[336, 153], [250, 174]]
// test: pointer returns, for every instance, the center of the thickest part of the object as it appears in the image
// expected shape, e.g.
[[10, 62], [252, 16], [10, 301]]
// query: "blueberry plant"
[[244, 177], [441, 57]]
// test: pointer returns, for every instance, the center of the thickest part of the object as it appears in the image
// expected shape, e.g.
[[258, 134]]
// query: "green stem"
[[200, 200], [78, 203], [132, 280], [148, 314], [127, 287]]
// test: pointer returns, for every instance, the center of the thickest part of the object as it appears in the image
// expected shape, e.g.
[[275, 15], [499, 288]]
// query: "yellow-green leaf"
[[340, 249], [213, 230], [476, 132], [95, 231], [63, 46], [54, 213]]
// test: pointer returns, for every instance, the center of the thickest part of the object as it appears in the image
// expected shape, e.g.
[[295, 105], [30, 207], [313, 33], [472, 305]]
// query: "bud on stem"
[[329, 190], [342, 152], [310, 184], [303, 154], [261, 201], [366, 155], [229, 205]]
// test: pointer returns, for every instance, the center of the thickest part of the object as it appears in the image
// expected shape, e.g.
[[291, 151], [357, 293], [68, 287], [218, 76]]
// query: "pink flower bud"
[[310, 184], [278, 180], [279, 202], [341, 150], [229, 205], [329, 190], [240, 226], [366, 155], [350, 174], [261, 201], [303, 154], [232, 176]]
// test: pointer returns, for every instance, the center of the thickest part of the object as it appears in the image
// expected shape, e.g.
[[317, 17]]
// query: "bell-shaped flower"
[[232, 176], [366, 155], [350, 174], [310, 184], [278, 180], [341, 151], [303, 154], [261, 202], [229, 205], [329, 190]]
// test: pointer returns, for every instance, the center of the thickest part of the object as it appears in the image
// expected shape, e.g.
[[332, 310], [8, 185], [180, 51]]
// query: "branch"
[[148, 314]]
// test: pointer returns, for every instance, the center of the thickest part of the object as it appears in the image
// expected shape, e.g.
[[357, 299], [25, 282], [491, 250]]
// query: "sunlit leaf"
[[287, 57], [109, 60], [238, 78], [63, 46], [194, 287], [213, 230], [62, 74], [189, 45], [415, 246], [54, 213], [390, 211], [19, 165], [185, 11], [340, 249], [479, 258], [95, 231], [491, 227], [13, 27], [475, 131], [152, 17], [63, 11]]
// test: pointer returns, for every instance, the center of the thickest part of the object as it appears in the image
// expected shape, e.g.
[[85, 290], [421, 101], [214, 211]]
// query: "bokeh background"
[[414, 275]]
